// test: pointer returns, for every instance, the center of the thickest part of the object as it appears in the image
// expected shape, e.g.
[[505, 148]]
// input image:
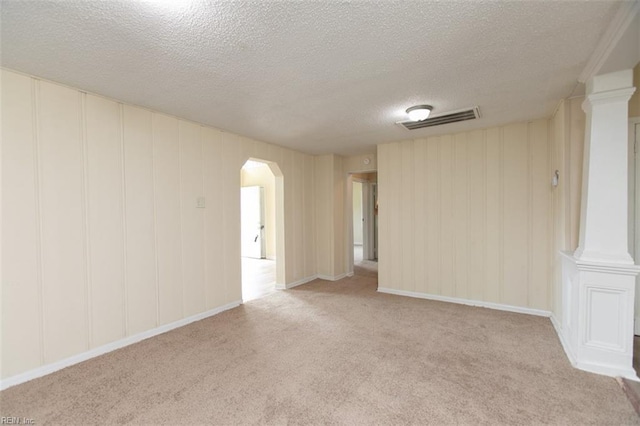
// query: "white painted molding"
[[109, 347], [620, 95], [605, 268], [607, 370], [621, 21], [596, 330], [563, 340], [296, 283], [477, 303], [332, 278]]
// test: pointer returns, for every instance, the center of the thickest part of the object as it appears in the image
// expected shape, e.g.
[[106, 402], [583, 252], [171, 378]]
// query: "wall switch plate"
[[200, 202]]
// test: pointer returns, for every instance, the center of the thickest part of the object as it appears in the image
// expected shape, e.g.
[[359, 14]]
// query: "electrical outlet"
[[200, 202]]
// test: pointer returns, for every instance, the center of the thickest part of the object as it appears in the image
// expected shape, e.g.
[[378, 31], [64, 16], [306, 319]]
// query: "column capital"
[[600, 98]]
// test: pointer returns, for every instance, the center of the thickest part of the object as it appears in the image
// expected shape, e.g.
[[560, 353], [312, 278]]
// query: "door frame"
[[280, 239], [348, 214]]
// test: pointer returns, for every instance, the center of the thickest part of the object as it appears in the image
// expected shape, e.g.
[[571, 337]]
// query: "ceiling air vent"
[[446, 118]]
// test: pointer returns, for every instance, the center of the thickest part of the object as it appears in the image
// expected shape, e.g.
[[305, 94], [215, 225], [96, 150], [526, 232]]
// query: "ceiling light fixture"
[[419, 112]]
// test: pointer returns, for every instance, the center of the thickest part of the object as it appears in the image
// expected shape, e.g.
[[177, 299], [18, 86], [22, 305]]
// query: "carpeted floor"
[[336, 353]]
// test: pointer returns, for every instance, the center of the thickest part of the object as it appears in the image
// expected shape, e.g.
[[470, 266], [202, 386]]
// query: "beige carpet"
[[333, 353]]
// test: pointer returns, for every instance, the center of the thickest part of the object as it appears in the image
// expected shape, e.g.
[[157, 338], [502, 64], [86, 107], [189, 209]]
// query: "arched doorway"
[[262, 228]]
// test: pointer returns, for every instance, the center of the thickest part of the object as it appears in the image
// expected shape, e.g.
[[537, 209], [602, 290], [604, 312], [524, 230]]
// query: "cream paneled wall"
[[567, 141], [469, 216], [331, 216], [101, 236]]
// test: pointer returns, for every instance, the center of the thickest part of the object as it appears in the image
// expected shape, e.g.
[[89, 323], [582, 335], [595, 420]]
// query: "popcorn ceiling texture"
[[319, 77]]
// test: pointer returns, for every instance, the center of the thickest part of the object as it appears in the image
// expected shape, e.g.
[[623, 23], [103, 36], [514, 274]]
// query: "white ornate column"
[[599, 278]]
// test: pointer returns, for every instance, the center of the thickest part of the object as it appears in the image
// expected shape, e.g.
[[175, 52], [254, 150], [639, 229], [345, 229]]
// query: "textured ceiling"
[[317, 76]]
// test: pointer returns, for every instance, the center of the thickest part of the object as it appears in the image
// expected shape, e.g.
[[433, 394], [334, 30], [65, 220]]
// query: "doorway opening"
[[261, 189], [363, 241]]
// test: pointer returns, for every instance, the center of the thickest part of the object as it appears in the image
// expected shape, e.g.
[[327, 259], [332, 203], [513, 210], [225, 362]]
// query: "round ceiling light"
[[419, 112]]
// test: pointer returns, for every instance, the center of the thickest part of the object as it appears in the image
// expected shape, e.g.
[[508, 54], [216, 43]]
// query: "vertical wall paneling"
[[447, 233], [322, 166], [288, 169], [86, 247], [99, 212], [191, 187], [213, 223], [516, 213], [420, 214], [21, 291], [63, 233], [105, 228], [166, 165], [231, 216], [540, 206], [260, 150], [476, 214], [309, 218], [407, 216], [501, 215], [298, 217], [460, 213], [493, 213], [140, 221], [557, 162], [339, 246], [281, 222], [123, 215], [383, 168], [433, 236], [394, 197], [481, 201]]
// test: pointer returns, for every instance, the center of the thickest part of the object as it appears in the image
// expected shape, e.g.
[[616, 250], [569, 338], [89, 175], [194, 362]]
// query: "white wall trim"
[[460, 301], [563, 340], [109, 347], [607, 370], [333, 278], [621, 21], [296, 283]]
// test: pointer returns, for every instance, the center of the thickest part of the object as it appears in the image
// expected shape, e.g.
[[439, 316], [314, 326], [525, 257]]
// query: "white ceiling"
[[317, 76]]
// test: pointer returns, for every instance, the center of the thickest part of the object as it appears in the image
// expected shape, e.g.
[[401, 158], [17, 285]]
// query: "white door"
[[252, 226]]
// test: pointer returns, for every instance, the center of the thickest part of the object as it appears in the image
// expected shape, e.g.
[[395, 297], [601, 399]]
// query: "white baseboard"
[[109, 347], [607, 370], [563, 340], [478, 303], [296, 283], [332, 278], [591, 367]]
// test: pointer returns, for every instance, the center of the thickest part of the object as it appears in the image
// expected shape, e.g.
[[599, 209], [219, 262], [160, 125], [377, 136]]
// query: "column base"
[[596, 322]]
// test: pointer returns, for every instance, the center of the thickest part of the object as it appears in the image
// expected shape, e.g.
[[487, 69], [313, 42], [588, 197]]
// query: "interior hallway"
[[358, 260], [258, 277]]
